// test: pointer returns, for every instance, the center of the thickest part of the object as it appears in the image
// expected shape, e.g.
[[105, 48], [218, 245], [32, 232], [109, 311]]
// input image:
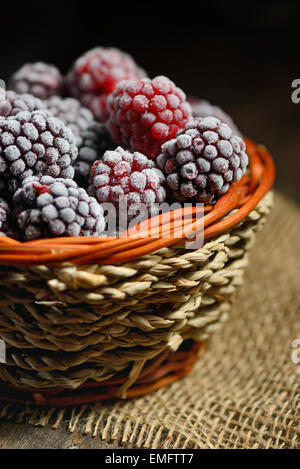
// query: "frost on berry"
[[146, 113], [7, 222], [203, 160], [95, 75], [69, 110], [127, 178], [34, 143], [92, 143], [49, 207], [12, 103], [203, 108], [39, 79]]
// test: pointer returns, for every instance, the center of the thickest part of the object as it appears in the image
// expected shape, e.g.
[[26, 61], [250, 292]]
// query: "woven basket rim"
[[238, 202]]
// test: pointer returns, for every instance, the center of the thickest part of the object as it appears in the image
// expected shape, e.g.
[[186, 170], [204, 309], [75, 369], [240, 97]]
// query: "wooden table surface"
[[15, 436]]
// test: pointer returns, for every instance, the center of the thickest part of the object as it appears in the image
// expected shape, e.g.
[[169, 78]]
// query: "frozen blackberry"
[[146, 113], [12, 103], [92, 138], [95, 74], [72, 113], [97, 105], [33, 143], [49, 207], [7, 227], [203, 160], [203, 108], [92, 144], [4, 214], [40, 79], [131, 178]]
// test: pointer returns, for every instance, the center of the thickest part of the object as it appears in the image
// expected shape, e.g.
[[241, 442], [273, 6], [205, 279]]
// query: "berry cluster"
[[95, 74], [12, 103], [75, 116], [39, 79], [4, 214], [92, 144], [145, 113], [132, 179], [92, 138], [203, 108], [203, 160], [48, 207], [7, 223], [33, 143], [106, 134]]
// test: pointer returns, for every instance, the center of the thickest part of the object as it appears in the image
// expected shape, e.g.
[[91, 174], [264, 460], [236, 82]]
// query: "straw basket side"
[[85, 319], [65, 325]]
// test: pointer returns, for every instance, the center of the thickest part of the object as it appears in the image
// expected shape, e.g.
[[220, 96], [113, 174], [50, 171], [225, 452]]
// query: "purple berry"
[[34, 143], [93, 142], [48, 207], [71, 112], [146, 113], [92, 138], [12, 103], [131, 177], [39, 79], [95, 74], [7, 221], [203, 160], [203, 108]]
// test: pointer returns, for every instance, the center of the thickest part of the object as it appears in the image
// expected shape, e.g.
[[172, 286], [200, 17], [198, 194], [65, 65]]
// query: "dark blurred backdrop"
[[243, 58]]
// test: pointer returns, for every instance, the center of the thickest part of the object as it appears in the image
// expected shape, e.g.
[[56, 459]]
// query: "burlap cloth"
[[244, 392]]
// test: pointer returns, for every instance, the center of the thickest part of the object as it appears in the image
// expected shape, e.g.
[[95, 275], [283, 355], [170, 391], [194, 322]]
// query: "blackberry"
[[92, 138], [97, 105], [131, 178], [49, 207], [33, 143], [71, 112], [95, 74], [92, 144], [203, 160], [12, 103], [203, 108], [146, 113], [40, 79], [7, 221]]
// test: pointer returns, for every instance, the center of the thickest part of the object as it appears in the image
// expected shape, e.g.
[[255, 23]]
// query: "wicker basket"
[[87, 319]]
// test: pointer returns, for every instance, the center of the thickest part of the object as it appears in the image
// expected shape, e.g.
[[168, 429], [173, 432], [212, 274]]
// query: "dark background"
[[243, 58]]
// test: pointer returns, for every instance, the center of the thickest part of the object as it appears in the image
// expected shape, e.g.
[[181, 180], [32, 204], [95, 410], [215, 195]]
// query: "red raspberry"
[[95, 74], [146, 113], [121, 175]]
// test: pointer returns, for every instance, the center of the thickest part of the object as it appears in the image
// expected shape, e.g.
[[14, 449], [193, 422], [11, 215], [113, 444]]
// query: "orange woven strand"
[[243, 196]]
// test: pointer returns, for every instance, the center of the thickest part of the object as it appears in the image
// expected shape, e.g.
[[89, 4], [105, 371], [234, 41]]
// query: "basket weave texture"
[[66, 325]]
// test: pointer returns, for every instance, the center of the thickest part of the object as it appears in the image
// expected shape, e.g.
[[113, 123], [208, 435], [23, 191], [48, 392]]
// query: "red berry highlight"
[[146, 113], [95, 74], [131, 177]]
